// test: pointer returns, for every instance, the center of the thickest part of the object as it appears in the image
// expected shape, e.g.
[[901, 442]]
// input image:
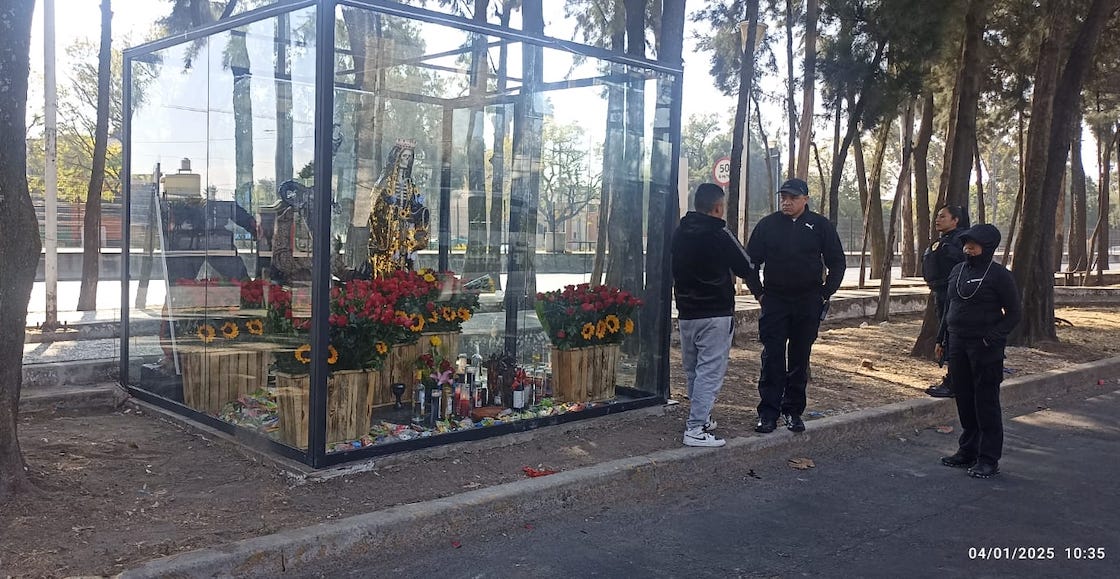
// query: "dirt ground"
[[120, 487]]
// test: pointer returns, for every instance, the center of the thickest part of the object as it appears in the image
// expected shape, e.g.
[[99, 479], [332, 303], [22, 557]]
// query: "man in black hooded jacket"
[[706, 259], [983, 309]]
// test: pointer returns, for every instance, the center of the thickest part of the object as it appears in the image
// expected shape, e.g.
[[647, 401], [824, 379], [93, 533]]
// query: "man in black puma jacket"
[[793, 247]]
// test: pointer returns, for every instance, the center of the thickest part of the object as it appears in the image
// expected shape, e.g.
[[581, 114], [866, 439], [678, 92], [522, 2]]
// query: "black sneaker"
[[940, 391], [794, 423], [958, 460], [766, 425], [983, 470]]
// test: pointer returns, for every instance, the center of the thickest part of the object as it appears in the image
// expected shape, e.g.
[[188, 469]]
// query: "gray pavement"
[[886, 509]]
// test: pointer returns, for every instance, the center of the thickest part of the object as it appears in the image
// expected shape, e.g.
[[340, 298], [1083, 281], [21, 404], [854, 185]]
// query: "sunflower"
[[464, 314], [206, 333], [448, 314], [587, 331], [434, 317], [428, 277], [302, 352], [628, 327], [332, 354], [435, 341], [255, 327], [230, 331], [417, 323], [612, 323], [601, 329], [382, 348]]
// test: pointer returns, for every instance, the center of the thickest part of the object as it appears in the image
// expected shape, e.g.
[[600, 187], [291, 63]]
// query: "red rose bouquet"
[[582, 315]]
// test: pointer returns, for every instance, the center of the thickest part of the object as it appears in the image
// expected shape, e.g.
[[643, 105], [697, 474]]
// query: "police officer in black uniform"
[[937, 262], [794, 247]]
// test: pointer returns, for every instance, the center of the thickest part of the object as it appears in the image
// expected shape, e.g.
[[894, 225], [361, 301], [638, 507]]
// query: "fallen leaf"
[[801, 463], [528, 526], [535, 472], [456, 544], [944, 429]]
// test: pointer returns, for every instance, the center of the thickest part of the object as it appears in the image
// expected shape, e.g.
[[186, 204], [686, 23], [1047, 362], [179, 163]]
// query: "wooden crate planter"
[[215, 375], [349, 405], [585, 374], [401, 365]]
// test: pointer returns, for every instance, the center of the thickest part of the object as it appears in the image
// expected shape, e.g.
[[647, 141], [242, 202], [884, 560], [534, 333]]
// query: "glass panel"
[[216, 124], [473, 169]]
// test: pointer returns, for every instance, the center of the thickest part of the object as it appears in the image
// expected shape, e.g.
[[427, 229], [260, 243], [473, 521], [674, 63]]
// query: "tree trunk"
[[1034, 274], [854, 117], [1017, 209], [1078, 252], [909, 249], [475, 263], [766, 152], [865, 206], [1106, 143], [874, 192], [1060, 223], [19, 236], [654, 325], [737, 189], [980, 215], [612, 163], [498, 163], [883, 309], [921, 174], [91, 232], [791, 107], [963, 133], [808, 89]]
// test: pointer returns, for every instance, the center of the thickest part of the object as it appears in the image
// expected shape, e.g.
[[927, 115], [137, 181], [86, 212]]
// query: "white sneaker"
[[710, 425], [697, 437]]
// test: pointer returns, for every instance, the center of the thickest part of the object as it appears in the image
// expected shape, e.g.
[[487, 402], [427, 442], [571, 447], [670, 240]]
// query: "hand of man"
[[939, 352]]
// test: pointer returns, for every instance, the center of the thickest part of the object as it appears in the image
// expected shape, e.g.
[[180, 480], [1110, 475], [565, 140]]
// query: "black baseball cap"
[[794, 187]]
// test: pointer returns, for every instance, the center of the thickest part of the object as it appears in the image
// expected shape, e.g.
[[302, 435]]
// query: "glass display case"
[[361, 227]]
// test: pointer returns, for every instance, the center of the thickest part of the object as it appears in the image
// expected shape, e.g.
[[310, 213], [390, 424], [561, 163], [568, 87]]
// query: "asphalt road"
[[887, 510]]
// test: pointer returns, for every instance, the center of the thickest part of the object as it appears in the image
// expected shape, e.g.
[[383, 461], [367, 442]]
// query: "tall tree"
[[808, 88], [921, 173], [739, 187], [962, 130], [19, 235], [1078, 251], [1034, 260], [91, 233], [882, 309]]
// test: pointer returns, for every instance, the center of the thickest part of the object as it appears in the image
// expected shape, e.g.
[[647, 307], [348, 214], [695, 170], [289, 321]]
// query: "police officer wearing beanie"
[[794, 247], [983, 309]]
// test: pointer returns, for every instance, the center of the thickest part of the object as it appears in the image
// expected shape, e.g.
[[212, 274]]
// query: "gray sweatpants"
[[705, 347]]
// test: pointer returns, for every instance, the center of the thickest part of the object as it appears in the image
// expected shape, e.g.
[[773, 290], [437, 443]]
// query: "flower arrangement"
[[253, 293], [433, 368], [437, 303], [363, 324], [217, 331], [581, 315]]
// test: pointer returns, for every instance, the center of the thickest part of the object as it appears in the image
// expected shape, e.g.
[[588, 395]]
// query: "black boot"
[[958, 460], [983, 470], [941, 390], [766, 425]]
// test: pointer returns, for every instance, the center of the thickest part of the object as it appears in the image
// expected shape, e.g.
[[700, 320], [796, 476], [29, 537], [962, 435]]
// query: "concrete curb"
[[667, 470]]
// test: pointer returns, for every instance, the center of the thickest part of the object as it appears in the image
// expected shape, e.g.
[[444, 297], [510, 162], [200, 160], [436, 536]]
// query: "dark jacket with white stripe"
[[706, 259]]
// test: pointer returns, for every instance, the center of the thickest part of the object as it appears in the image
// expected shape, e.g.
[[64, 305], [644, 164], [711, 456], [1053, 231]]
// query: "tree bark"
[[1017, 209], [906, 211], [737, 189], [1034, 272], [921, 174], [1106, 143], [963, 132], [19, 236], [865, 206], [981, 217], [91, 232], [874, 193], [883, 308], [1078, 251], [808, 89]]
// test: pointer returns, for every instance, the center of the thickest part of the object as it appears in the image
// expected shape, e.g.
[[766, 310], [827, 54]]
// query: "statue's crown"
[[406, 143]]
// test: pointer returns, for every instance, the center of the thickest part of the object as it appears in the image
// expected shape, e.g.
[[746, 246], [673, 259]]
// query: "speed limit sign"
[[721, 171]]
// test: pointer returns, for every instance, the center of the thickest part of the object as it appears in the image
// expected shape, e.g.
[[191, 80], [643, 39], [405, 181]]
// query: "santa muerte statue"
[[398, 220]]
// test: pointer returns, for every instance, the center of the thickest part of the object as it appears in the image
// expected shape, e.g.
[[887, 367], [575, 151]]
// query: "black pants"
[[787, 329], [977, 371], [941, 301]]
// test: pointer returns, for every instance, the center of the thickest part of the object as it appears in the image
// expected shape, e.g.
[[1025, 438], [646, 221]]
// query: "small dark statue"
[[500, 370]]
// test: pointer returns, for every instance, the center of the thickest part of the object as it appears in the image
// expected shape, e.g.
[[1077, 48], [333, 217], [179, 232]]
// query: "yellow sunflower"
[[601, 329], [612, 323], [332, 354], [206, 333], [417, 323], [435, 341], [448, 314], [255, 327], [302, 352], [587, 331], [434, 317], [382, 348], [428, 277], [628, 327], [464, 314], [230, 331]]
